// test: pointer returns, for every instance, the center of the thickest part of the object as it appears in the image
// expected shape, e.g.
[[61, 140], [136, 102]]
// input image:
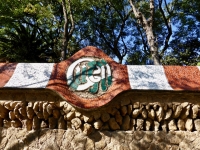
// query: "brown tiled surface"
[[6, 71], [119, 74], [183, 77]]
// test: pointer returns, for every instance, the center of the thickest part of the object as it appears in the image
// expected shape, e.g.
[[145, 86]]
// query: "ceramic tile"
[[30, 75], [91, 79], [183, 77], [6, 71], [148, 77]]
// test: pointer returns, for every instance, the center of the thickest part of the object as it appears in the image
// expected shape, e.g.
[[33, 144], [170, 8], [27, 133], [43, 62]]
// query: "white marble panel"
[[148, 77], [198, 67], [31, 75]]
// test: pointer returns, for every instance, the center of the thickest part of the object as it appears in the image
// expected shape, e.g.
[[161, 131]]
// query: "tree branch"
[[148, 27], [71, 19], [143, 40], [169, 28], [151, 6], [68, 26], [167, 7], [65, 18], [119, 13], [125, 48], [136, 13], [104, 38]]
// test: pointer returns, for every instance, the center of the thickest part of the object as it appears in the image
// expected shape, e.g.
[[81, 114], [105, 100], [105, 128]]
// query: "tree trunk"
[[68, 27], [64, 49], [156, 58], [153, 45], [147, 25]]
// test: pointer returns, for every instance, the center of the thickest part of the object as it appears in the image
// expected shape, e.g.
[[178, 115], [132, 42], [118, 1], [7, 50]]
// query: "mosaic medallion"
[[90, 75]]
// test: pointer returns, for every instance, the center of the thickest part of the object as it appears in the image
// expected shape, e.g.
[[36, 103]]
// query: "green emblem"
[[89, 74]]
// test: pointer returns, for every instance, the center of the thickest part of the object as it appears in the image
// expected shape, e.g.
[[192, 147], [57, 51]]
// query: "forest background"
[[133, 32]]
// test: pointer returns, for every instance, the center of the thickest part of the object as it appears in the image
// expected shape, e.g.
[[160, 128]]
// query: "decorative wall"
[[91, 102]]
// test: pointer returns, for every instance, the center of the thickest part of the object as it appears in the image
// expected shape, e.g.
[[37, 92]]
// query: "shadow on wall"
[[48, 139], [18, 139], [181, 78]]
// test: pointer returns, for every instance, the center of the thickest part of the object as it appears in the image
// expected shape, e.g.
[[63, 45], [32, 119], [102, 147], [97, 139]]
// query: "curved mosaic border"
[[57, 80]]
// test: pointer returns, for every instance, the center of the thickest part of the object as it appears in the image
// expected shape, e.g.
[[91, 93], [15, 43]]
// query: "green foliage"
[[32, 30], [29, 31], [183, 53], [185, 44]]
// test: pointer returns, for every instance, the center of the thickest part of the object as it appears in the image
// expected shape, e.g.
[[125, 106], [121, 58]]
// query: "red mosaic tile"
[[183, 77], [6, 71]]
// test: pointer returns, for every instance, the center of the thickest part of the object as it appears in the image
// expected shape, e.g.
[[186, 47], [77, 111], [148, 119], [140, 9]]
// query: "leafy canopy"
[[35, 30]]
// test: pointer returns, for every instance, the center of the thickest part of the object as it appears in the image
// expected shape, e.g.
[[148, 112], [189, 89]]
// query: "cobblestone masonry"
[[133, 120]]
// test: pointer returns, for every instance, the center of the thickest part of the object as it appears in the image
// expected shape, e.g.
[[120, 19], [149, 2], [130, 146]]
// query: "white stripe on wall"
[[198, 67], [148, 77], [31, 75]]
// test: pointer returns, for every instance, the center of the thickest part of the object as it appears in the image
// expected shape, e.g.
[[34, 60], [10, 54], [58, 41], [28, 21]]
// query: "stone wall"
[[134, 119], [58, 139]]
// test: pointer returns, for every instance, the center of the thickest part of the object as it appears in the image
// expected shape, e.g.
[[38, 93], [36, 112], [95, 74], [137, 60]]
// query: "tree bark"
[[147, 25], [167, 23], [68, 27]]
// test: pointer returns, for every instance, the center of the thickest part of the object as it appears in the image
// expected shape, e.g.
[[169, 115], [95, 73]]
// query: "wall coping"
[[91, 79]]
